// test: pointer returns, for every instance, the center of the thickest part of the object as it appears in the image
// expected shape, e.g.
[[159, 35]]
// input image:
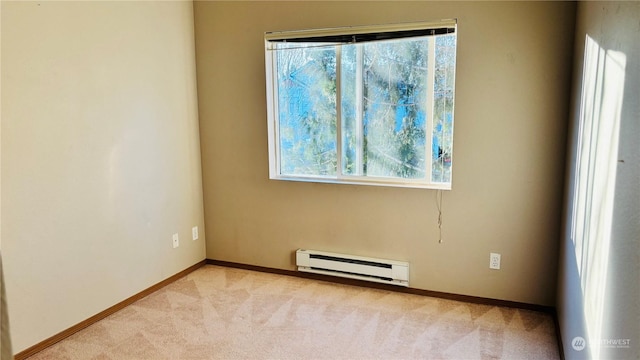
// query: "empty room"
[[320, 179]]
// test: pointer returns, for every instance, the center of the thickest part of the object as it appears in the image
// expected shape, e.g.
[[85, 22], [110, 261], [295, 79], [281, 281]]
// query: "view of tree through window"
[[307, 110], [376, 109]]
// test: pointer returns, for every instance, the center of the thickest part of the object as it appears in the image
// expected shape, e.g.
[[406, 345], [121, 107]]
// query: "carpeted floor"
[[225, 313]]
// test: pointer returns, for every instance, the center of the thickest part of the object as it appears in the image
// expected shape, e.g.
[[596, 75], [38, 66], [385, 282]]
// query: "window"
[[362, 105]]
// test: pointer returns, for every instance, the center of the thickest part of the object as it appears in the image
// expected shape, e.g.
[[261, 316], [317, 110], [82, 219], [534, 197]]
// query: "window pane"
[[351, 88], [394, 101], [307, 109], [443, 108]]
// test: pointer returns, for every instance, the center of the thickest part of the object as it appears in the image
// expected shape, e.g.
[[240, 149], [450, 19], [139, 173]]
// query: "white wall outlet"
[[176, 240], [194, 233], [494, 261]]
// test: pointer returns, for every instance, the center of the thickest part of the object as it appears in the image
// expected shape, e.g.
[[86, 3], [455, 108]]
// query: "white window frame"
[[340, 178]]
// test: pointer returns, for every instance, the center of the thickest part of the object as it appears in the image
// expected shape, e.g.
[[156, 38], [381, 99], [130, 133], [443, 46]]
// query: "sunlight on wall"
[[595, 169]]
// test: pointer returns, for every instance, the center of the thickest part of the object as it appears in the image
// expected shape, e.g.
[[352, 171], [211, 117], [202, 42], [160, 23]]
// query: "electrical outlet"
[[176, 240], [494, 261], [194, 233]]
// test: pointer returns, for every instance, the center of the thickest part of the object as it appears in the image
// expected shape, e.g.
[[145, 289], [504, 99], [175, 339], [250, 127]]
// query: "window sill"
[[367, 182]]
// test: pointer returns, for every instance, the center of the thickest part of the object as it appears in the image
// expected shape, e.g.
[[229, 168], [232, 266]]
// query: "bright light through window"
[[595, 176]]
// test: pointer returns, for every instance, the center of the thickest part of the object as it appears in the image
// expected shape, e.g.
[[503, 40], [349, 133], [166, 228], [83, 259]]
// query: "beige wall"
[[598, 287], [513, 77], [100, 156]]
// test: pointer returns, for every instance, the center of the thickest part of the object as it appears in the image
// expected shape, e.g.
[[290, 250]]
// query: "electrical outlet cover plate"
[[176, 241], [494, 261], [194, 233]]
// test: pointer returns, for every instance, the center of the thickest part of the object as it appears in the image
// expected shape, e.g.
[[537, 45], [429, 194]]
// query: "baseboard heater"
[[353, 267]]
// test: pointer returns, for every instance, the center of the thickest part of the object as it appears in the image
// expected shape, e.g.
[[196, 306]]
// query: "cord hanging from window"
[[439, 206]]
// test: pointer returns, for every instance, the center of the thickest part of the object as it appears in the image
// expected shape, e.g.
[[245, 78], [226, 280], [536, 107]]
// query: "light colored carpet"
[[225, 313]]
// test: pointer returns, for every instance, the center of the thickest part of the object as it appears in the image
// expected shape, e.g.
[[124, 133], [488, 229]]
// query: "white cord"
[[439, 206]]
